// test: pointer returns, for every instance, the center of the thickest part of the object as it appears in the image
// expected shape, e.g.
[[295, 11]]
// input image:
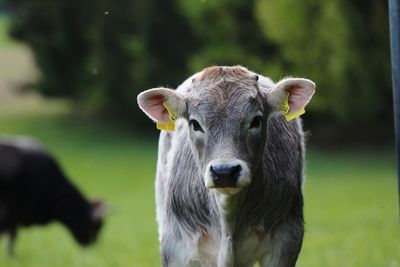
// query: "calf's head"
[[226, 109]]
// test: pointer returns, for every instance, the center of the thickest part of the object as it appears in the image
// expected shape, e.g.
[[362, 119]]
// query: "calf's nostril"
[[214, 174], [225, 170], [236, 170]]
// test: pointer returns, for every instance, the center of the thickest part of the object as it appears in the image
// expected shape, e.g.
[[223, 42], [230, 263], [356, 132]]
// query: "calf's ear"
[[297, 92], [161, 103]]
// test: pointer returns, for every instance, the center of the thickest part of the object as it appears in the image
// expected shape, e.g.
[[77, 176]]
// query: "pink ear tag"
[[167, 126]]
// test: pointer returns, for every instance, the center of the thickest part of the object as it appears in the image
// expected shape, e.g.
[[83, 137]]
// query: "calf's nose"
[[225, 175]]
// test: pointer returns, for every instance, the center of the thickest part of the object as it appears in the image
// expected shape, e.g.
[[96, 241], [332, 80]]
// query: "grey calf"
[[229, 178]]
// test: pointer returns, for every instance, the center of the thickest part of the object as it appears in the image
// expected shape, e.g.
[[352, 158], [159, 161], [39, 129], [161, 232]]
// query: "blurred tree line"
[[102, 53]]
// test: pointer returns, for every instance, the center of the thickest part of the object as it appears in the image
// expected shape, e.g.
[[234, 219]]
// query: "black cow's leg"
[[11, 235]]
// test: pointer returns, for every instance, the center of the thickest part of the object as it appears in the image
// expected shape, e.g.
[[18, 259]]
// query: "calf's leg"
[[286, 244]]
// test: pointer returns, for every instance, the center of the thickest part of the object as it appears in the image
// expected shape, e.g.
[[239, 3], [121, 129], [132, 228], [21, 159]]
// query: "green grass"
[[352, 210], [105, 163], [5, 39], [350, 198]]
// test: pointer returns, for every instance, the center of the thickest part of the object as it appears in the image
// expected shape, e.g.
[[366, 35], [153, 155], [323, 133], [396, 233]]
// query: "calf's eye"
[[196, 125], [256, 122]]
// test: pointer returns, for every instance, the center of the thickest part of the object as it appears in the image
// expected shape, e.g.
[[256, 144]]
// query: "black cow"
[[34, 190]]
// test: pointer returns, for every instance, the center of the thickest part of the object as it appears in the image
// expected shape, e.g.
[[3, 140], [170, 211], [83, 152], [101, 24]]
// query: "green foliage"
[[102, 53], [228, 34], [55, 30], [137, 47], [342, 45]]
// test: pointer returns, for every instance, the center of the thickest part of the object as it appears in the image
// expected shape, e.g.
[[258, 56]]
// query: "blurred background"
[[70, 71]]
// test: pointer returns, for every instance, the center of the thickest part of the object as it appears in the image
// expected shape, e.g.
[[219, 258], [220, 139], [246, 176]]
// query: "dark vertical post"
[[394, 20]]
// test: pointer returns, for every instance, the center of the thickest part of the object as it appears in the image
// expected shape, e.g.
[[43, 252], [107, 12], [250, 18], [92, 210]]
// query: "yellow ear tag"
[[167, 126], [285, 108]]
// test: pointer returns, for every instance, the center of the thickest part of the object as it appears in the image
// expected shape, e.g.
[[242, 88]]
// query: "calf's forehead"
[[226, 99]]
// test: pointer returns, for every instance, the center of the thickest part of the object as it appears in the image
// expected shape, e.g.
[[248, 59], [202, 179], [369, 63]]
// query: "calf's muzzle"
[[224, 175], [227, 175]]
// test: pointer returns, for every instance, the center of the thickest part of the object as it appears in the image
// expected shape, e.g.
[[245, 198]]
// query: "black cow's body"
[[34, 190]]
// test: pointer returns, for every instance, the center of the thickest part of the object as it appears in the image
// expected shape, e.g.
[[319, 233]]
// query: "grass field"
[[112, 165], [4, 38], [351, 203], [351, 199]]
